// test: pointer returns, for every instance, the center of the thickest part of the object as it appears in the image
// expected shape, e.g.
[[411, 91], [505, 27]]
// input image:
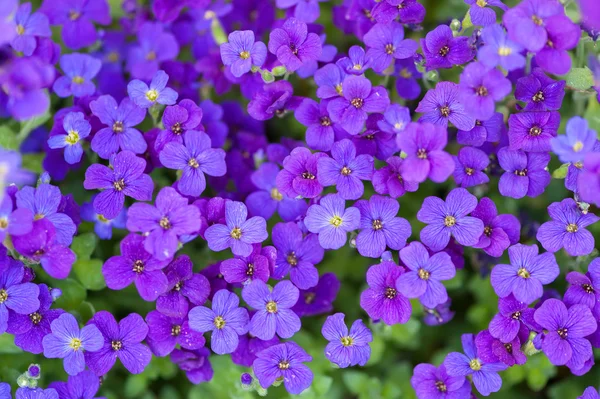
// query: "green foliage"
[[580, 78]]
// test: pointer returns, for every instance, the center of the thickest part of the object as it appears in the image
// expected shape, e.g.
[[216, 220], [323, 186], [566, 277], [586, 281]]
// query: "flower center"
[[390, 293], [440, 386], [423, 274], [475, 365], [35, 318], [563, 333], [151, 56], [116, 345], [3, 296], [250, 270], [504, 51], [578, 146], [175, 330], [78, 79], [422, 153], [75, 344], [38, 216], [516, 315], [294, 49], [178, 286], [377, 225], [177, 129], [398, 125], [271, 307], [487, 230], [405, 73], [119, 185], [522, 172], [508, 348], [481, 91], [138, 266], [444, 51], [292, 259], [236, 233], [578, 165], [165, 223], [469, 171], [346, 341], [338, 89], [219, 322], [445, 111], [537, 97], [537, 20], [522, 272], [309, 297], [336, 221], [74, 15], [3, 223], [308, 176], [152, 95], [481, 3], [389, 49], [117, 127], [193, 163], [20, 29], [572, 228], [244, 55], [275, 194], [346, 171], [357, 103], [325, 121], [449, 221], [588, 288], [113, 56], [535, 131], [357, 67], [283, 365]]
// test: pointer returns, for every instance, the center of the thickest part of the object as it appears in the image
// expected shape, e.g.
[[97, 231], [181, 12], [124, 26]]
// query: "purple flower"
[[164, 224], [76, 18], [15, 222], [44, 202], [10, 163], [444, 104], [470, 165], [540, 92], [68, 342], [165, 332], [237, 233], [564, 341], [449, 218], [178, 119], [432, 382], [526, 275], [195, 157], [184, 287], [329, 80], [318, 299], [485, 375], [293, 45], [321, 131], [135, 265], [29, 27], [526, 22], [390, 179], [582, 289], [356, 63], [331, 221], [346, 348], [425, 273], [248, 347], [380, 227], [296, 255], [102, 226], [490, 130], [492, 350], [497, 49], [145, 96], [120, 134], [244, 269], [36, 393], [15, 295], [299, 175], [226, 320], [155, 46], [578, 141], [563, 35], [567, 229], [305, 10], [481, 88], [513, 320], [345, 170], [195, 363], [273, 99], [125, 178], [589, 393], [385, 42], [382, 300], [500, 231], [84, 385], [442, 50], [273, 313], [480, 15], [7, 24], [359, 99], [407, 74], [79, 70], [77, 128], [122, 341], [409, 11], [283, 361], [395, 119], [241, 52], [424, 143], [525, 173], [588, 180]]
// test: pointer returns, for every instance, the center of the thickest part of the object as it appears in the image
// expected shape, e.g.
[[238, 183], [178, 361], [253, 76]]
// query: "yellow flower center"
[[504, 51], [276, 195], [244, 55], [3, 296], [102, 218], [481, 3], [578, 146], [347, 341], [475, 365], [20, 29], [271, 307], [3, 223], [398, 125], [522, 272], [72, 137], [75, 344], [152, 95], [219, 322], [113, 56], [449, 221], [336, 221], [236, 233], [78, 80], [572, 228], [423, 274], [74, 15], [151, 56]]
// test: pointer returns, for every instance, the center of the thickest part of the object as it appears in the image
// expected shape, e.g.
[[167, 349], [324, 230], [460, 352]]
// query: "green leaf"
[[89, 272], [580, 78], [86, 311], [73, 294], [83, 245], [28, 125], [267, 77], [33, 162], [592, 115], [217, 31], [7, 344], [8, 139], [279, 70], [135, 385], [561, 172]]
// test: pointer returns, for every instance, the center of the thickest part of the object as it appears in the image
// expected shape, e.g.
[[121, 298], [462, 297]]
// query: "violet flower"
[[525, 173], [385, 42], [77, 128], [576, 143], [15, 222], [318, 299], [489, 130], [407, 76], [442, 50], [329, 80], [588, 180], [433, 382], [331, 221], [481, 88], [497, 49], [298, 178], [563, 35], [409, 11], [244, 269], [444, 104], [480, 14], [500, 231], [583, 290], [514, 319], [540, 92], [356, 63], [16, 295], [321, 131], [29, 27], [293, 45], [391, 179], [284, 361], [241, 52], [155, 46], [492, 350], [84, 385], [526, 22], [79, 70], [145, 96], [346, 348], [470, 167], [178, 119], [165, 332]]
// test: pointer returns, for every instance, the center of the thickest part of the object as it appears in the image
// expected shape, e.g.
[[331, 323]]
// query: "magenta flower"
[[391, 179], [299, 174]]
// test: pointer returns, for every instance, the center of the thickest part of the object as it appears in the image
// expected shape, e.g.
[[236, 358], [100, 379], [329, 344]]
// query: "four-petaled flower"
[[331, 221], [76, 128], [283, 361], [145, 96], [241, 52], [346, 348]]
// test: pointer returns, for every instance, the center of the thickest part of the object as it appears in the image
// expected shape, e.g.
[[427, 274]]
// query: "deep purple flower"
[[241, 52], [135, 265], [154, 47], [442, 50], [123, 341], [500, 231], [119, 133], [380, 227], [273, 313], [382, 300], [346, 348], [165, 332], [237, 233], [407, 76], [583, 290], [576, 143], [195, 363], [244, 269], [329, 80], [226, 320], [540, 92], [485, 375], [19, 297], [36, 393], [68, 342], [481, 88], [15, 222], [318, 299], [321, 131], [385, 42], [564, 342], [248, 347], [492, 350], [513, 320], [84, 385], [526, 275], [374, 141], [432, 382], [283, 361], [79, 70], [449, 218], [470, 165], [76, 128], [525, 173], [305, 10], [567, 229], [331, 221], [480, 15], [526, 22], [178, 119], [588, 180], [103, 227], [296, 255], [497, 49], [299, 175], [444, 104], [409, 11], [391, 179], [163, 224], [345, 170], [356, 63], [125, 178], [490, 130], [184, 287], [29, 27], [145, 96], [563, 35], [293, 45], [395, 119], [422, 280], [274, 99], [10, 163], [359, 99]]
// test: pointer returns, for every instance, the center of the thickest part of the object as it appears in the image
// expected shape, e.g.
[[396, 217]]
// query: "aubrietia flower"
[[346, 348], [145, 96], [77, 128]]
